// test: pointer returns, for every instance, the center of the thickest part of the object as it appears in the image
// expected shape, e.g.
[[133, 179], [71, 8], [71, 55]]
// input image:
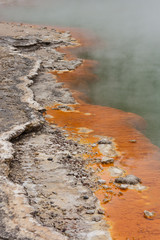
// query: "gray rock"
[[104, 141], [101, 211], [101, 181], [106, 160], [129, 179], [106, 200], [148, 214], [92, 211], [106, 187], [65, 107]]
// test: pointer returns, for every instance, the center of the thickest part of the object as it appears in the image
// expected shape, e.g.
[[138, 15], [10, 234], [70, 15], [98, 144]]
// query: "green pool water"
[[128, 53]]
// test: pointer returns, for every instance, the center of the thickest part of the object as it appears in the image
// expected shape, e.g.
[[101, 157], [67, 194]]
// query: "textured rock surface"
[[129, 179], [44, 186]]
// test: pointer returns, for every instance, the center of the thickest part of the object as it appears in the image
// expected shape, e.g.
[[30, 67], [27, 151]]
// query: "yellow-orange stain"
[[141, 158]]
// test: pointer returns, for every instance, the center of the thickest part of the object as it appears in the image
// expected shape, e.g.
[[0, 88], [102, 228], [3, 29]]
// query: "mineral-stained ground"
[[45, 189]]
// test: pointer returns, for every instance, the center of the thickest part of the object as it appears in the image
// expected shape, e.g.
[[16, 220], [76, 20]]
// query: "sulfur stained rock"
[[106, 160], [148, 214]]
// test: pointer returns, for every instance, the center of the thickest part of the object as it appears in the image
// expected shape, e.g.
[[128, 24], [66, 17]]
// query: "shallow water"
[[128, 53]]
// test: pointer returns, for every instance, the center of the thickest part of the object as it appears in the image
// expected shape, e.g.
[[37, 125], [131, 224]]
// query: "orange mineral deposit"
[[136, 155]]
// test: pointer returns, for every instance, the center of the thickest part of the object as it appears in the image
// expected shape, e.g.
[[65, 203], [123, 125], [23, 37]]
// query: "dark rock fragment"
[[104, 141], [129, 179], [85, 197], [101, 211]]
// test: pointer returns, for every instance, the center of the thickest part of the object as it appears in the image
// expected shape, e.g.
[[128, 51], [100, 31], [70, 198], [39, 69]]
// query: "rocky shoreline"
[[45, 187]]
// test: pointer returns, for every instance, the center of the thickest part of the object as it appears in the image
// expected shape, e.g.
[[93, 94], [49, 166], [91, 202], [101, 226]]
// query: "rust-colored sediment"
[[140, 158]]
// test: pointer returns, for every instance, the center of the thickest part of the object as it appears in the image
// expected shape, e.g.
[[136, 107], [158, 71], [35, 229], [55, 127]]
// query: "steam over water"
[[129, 69]]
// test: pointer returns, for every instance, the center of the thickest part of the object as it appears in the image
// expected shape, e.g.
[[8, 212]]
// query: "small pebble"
[[94, 145], [107, 160], [129, 179], [105, 200], [120, 194], [148, 214], [101, 181], [85, 197], [132, 141], [106, 187], [101, 211], [90, 211], [104, 141], [36, 153], [96, 218]]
